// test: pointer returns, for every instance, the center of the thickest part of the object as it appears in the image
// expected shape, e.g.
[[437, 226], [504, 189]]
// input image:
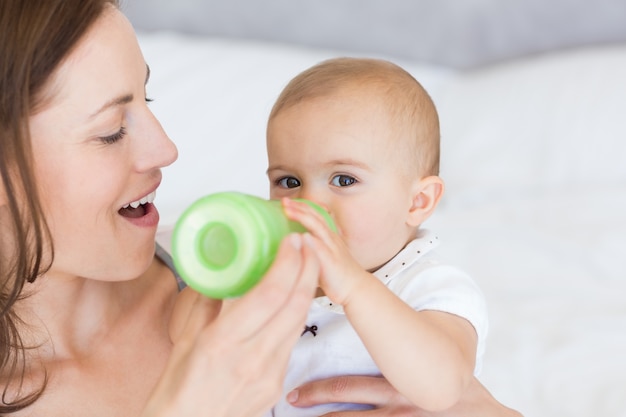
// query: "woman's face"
[[98, 148]]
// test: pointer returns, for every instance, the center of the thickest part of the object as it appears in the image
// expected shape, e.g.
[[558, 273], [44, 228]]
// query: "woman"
[[85, 303]]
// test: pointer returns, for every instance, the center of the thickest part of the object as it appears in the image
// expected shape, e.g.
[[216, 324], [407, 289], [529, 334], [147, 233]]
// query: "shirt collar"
[[414, 250]]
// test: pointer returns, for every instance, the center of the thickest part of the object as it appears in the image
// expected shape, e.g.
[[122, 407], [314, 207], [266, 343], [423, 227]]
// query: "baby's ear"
[[426, 195]]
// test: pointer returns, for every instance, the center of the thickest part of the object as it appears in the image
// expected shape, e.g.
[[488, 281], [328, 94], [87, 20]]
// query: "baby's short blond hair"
[[412, 112]]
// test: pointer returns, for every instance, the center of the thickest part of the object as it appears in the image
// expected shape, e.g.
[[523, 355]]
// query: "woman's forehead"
[[104, 61]]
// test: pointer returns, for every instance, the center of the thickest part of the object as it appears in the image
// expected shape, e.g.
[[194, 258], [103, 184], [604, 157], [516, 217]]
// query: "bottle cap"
[[222, 244]]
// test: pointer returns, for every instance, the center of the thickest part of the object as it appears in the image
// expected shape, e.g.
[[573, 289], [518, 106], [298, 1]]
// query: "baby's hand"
[[341, 275]]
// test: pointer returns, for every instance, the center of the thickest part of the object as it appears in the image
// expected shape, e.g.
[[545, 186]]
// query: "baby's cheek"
[[364, 249], [375, 246]]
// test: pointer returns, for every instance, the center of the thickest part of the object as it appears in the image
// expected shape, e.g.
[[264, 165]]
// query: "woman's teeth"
[[147, 199]]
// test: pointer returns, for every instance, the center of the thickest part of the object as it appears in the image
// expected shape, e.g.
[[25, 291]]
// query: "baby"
[[360, 137]]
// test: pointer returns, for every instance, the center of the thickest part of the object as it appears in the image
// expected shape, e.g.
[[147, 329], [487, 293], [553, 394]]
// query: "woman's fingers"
[[286, 290], [287, 324], [258, 331], [366, 390], [343, 389], [269, 319], [377, 391]]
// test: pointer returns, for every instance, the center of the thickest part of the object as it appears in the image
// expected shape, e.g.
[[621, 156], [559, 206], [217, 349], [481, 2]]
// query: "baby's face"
[[339, 152]]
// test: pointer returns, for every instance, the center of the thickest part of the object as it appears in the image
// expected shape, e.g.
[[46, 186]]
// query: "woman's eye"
[[288, 182], [107, 140], [343, 181]]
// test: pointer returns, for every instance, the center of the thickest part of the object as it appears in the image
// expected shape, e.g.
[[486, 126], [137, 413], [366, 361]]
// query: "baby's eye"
[[343, 181], [288, 182], [108, 140]]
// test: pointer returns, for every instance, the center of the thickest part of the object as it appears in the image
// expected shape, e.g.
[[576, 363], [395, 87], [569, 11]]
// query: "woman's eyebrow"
[[118, 101]]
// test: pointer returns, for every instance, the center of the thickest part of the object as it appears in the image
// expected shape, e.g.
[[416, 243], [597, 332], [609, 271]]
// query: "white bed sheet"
[[533, 156]]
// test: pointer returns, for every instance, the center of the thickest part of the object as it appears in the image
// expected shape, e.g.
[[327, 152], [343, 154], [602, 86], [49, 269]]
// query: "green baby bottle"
[[224, 243]]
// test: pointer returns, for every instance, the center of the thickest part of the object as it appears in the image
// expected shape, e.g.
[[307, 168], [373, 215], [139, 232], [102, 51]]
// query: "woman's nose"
[[156, 149]]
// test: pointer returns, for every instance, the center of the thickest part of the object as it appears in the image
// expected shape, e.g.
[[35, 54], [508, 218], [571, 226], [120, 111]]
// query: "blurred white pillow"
[[555, 120]]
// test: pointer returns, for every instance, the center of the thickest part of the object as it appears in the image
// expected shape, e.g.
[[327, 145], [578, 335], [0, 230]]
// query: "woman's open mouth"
[[137, 208]]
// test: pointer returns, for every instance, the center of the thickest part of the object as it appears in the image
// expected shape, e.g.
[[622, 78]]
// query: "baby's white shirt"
[[329, 346]]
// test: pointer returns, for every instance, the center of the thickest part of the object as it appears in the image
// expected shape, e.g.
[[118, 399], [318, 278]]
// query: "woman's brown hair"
[[35, 37]]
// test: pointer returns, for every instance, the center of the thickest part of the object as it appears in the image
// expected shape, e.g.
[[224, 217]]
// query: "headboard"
[[460, 34]]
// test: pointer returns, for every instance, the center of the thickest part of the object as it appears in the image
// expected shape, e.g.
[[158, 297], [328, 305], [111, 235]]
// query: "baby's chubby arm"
[[428, 356]]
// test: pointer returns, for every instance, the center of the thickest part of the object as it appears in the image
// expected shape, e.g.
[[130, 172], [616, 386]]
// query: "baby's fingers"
[[309, 218]]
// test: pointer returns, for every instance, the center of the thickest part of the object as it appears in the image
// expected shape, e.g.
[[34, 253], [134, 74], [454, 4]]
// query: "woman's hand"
[[230, 358], [376, 391]]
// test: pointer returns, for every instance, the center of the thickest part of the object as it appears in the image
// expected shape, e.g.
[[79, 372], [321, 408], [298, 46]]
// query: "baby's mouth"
[[137, 208]]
